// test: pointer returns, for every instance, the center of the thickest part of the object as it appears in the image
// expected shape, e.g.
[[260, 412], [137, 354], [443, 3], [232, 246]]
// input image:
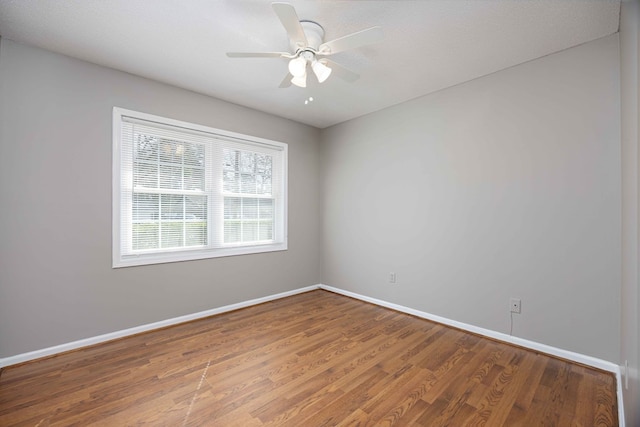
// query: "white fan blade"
[[352, 41], [291, 23], [287, 81], [258, 54], [340, 71]]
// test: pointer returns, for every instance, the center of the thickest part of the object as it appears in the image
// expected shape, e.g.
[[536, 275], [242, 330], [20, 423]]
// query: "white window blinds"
[[184, 191]]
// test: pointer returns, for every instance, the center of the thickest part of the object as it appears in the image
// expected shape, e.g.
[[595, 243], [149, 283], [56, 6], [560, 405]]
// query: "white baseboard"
[[532, 345], [50, 351], [620, 395], [543, 348]]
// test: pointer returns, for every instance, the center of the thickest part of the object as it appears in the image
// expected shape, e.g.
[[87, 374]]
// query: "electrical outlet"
[[514, 305], [392, 277]]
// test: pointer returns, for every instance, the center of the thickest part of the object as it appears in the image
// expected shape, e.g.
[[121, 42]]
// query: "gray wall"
[[56, 280], [630, 98], [508, 185], [505, 186]]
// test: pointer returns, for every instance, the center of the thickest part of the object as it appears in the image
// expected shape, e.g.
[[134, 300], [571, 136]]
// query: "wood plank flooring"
[[314, 359]]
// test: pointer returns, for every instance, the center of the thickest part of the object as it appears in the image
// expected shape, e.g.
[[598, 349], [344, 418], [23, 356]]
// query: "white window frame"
[[122, 183]]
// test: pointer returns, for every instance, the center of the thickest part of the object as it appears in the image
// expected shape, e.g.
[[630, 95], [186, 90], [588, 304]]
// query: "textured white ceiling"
[[428, 45]]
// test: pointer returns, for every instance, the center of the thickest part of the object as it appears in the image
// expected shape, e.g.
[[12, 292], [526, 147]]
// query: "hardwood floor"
[[314, 359]]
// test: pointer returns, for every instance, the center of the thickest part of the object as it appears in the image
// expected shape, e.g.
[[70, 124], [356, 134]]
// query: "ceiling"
[[428, 45]]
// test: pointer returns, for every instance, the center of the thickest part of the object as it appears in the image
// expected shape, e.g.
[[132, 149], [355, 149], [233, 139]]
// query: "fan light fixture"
[[298, 69]]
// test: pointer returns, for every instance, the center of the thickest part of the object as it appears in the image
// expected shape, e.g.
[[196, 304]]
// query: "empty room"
[[319, 213]]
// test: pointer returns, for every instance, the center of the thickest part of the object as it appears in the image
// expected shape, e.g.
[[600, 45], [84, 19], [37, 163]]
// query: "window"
[[183, 191]]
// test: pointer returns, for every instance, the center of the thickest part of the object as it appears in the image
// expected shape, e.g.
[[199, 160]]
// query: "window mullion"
[[213, 189], [184, 206]]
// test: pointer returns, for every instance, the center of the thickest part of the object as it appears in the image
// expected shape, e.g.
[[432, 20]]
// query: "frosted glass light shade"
[[298, 67], [321, 71], [300, 81]]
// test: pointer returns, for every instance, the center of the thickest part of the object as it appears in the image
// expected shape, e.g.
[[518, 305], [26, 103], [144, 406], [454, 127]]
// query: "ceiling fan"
[[310, 50]]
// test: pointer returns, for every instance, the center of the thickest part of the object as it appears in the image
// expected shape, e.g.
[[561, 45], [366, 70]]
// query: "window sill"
[[196, 254]]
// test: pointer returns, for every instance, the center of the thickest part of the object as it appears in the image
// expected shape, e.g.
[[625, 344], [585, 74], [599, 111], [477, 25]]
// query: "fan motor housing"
[[314, 33]]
